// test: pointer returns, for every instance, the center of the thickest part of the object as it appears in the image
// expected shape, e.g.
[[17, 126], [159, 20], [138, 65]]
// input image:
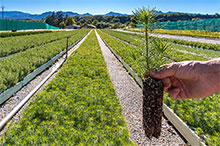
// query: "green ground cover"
[[78, 107]]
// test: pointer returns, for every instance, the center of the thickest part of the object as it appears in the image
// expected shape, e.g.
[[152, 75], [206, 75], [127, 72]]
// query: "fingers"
[[167, 84], [175, 87], [171, 86], [177, 94], [174, 93], [167, 71]]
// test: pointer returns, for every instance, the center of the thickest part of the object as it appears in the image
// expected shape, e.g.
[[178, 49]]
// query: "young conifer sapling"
[[152, 88]]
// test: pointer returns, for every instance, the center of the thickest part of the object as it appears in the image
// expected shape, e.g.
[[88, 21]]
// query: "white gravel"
[[181, 37], [10, 104], [130, 95]]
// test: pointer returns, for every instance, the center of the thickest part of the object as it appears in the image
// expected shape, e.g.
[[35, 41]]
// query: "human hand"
[[190, 79]]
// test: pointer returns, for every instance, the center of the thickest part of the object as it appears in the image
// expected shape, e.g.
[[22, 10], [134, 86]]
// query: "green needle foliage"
[[12, 45], [158, 52], [160, 46], [146, 15], [13, 69], [79, 107], [12, 34]]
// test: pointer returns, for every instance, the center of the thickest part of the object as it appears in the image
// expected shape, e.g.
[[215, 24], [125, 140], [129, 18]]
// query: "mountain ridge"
[[24, 15]]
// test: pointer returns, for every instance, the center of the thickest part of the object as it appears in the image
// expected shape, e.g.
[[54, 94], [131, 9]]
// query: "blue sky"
[[104, 6]]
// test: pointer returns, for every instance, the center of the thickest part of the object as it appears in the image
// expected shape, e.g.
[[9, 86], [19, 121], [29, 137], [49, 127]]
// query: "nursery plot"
[[16, 44], [138, 41], [201, 114], [133, 39], [130, 54], [188, 38], [11, 34], [130, 95], [78, 107], [193, 42], [200, 52], [15, 68], [194, 33]]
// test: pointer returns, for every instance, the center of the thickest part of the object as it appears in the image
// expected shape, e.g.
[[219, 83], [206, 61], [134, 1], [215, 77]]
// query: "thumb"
[[167, 70]]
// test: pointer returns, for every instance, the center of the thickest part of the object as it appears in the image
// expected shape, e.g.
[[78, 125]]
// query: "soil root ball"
[[152, 106]]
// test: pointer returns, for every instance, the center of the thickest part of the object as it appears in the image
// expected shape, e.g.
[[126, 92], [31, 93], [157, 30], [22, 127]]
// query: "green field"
[[194, 33], [14, 68], [12, 45], [80, 106], [201, 114]]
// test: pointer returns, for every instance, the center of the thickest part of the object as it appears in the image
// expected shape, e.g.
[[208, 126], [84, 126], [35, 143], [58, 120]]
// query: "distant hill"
[[22, 15], [114, 14], [158, 12], [16, 15]]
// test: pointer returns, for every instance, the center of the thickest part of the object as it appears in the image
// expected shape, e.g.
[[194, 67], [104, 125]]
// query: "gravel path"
[[130, 95], [188, 38], [10, 104]]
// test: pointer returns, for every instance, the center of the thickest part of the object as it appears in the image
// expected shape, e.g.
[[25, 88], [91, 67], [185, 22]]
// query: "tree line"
[[59, 20]]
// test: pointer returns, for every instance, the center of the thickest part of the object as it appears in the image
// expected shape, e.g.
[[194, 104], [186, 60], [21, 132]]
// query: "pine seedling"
[[152, 88], [158, 53], [146, 16]]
